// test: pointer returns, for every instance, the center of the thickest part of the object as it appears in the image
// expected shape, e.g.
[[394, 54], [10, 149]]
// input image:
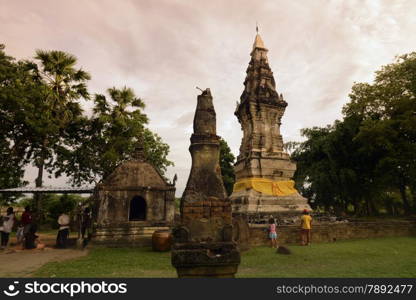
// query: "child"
[[272, 233], [20, 235]]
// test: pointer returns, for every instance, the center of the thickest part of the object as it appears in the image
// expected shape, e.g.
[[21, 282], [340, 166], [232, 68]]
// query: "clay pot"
[[161, 240]]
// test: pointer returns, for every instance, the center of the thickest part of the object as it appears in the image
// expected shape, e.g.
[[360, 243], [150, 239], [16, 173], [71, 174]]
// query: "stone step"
[[144, 230]]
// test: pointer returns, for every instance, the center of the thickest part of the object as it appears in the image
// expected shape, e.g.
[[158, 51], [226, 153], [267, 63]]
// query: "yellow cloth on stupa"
[[266, 186]]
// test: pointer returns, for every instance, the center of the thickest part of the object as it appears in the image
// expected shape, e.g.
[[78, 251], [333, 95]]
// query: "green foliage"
[[59, 108], [24, 201], [227, 166], [39, 102], [42, 122], [177, 203], [367, 158], [156, 151], [53, 205], [19, 84], [100, 143], [289, 147]]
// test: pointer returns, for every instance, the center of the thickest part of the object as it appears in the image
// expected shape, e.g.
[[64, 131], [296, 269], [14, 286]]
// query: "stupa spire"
[[262, 160], [258, 42], [259, 85]]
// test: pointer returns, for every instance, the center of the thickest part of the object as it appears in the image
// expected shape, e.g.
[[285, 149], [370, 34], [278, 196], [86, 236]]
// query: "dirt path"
[[22, 263]]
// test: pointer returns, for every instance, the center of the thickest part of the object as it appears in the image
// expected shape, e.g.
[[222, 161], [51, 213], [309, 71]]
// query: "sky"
[[163, 49]]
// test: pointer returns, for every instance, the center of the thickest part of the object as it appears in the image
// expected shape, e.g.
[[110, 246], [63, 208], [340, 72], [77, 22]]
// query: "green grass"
[[384, 257], [112, 262]]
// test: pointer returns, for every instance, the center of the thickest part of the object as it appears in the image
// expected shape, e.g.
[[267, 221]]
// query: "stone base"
[[270, 165], [241, 232], [136, 235], [255, 205], [201, 260]]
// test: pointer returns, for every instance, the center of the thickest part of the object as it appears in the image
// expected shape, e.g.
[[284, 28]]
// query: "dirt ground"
[[15, 262]]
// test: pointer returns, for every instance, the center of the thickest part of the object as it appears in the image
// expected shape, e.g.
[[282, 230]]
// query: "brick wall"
[[290, 234], [209, 208]]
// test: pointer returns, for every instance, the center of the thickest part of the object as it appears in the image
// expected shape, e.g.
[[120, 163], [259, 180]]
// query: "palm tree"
[[120, 120], [110, 136], [64, 86]]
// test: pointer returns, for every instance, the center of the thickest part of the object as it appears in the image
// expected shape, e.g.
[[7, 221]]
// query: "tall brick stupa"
[[264, 172], [203, 243]]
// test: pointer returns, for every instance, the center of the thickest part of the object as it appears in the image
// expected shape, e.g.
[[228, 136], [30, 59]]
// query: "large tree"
[[369, 156], [55, 112], [387, 108], [19, 85], [332, 171], [102, 142], [39, 103], [42, 123]]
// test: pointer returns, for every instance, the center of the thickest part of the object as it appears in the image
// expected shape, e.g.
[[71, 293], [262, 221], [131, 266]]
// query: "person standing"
[[31, 239], [63, 233], [6, 228], [272, 233], [26, 220], [306, 226]]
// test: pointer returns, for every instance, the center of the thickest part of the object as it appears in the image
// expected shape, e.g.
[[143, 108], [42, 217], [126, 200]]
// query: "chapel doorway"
[[138, 209]]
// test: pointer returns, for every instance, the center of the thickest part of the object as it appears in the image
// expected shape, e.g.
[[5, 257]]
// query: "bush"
[[53, 205]]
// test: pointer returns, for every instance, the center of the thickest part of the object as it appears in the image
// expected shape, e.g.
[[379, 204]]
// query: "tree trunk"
[[346, 203], [373, 207], [413, 193], [37, 196], [406, 205], [402, 188], [388, 204], [355, 204], [367, 207], [39, 183]]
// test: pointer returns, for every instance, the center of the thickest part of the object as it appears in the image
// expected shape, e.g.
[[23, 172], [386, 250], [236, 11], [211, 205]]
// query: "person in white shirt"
[[6, 227], [63, 233]]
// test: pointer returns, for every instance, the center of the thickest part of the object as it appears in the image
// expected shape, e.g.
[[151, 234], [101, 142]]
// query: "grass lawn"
[[383, 257]]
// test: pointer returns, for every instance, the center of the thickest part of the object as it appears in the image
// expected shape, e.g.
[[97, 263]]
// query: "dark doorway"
[[137, 209]]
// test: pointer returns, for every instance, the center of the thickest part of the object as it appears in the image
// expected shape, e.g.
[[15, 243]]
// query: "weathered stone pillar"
[[203, 245]]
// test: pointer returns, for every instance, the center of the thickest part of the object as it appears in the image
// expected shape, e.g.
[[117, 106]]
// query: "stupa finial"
[[258, 42]]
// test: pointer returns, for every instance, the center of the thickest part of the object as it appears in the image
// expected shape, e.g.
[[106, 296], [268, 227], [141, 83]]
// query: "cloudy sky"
[[164, 49]]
